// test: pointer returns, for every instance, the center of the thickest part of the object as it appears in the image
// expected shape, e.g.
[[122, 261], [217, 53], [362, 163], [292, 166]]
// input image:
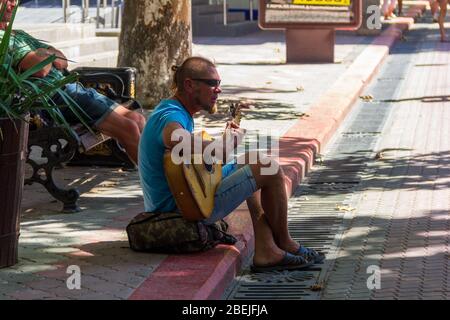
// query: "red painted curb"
[[206, 275], [203, 275]]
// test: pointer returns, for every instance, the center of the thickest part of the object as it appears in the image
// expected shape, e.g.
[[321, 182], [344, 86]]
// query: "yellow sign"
[[322, 2]]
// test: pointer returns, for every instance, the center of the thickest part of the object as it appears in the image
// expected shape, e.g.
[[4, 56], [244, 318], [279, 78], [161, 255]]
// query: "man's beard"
[[213, 109], [208, 108]]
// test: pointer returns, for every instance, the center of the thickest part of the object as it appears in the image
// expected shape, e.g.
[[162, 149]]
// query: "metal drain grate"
[[292, 285], [314, 222], [280, 292]]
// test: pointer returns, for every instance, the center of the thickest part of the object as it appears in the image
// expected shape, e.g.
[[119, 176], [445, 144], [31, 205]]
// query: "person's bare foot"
[[289, 245], [289, 262], [444, 39], [268, 257]]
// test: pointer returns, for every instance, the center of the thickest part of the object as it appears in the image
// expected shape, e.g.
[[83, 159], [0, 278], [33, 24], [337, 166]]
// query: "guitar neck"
[[237, 118], [236, 113]]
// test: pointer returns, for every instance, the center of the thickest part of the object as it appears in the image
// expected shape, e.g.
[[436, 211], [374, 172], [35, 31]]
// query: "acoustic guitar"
[[194, 184]]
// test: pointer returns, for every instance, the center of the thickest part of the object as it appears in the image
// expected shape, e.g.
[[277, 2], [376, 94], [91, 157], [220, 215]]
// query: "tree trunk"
[[156, 34]]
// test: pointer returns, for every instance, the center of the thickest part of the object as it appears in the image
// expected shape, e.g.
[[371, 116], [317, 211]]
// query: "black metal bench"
[[58, 146]]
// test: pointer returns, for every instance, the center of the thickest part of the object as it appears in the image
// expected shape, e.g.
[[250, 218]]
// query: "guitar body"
[[193, 184]]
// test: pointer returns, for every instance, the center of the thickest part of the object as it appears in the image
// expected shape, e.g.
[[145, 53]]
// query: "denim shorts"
[[95, 105], [236, 186]]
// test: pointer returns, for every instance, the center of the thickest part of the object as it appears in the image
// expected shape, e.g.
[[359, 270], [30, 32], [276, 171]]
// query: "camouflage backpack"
[[171, 233]]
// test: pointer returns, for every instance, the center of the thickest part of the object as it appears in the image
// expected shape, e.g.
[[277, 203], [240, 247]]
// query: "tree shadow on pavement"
[[239, 90], [108, 270], [424, 99], [260, 37], [422, 38], [343, 37], [390, 169], [412, 254], [261, 110], [98, 186]]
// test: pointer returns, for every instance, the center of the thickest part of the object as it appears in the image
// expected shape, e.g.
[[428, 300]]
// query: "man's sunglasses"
[[210, 82]]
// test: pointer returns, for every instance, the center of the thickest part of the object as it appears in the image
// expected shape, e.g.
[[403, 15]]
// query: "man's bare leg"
[[441, 20], [434, 6], [134, 116], [271, 202], [126, 131], [266, 250]]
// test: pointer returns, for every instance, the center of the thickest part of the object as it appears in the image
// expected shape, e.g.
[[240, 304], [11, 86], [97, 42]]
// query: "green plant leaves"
[[22, 93]]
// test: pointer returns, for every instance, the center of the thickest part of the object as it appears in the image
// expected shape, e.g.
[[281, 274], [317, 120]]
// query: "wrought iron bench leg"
[[54, 153]]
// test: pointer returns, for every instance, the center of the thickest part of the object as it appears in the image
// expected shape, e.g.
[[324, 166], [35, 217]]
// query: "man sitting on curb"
[[197, 86], [105, 115]]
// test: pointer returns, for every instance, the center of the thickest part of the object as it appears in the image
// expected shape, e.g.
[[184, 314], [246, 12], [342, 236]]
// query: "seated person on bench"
[[106, 115]]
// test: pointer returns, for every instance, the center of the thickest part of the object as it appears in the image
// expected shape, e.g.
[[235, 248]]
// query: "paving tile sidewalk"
[[254, 67], [95, 239], [401, 223]]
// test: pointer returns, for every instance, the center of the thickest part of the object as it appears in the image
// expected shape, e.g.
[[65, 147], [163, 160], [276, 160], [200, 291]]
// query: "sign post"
[[310, 25]]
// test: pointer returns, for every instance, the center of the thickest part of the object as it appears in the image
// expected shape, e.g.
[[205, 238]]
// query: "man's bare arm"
[[174, 129], [219, 148], [39, 55], [33, 58], [59, 64]]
